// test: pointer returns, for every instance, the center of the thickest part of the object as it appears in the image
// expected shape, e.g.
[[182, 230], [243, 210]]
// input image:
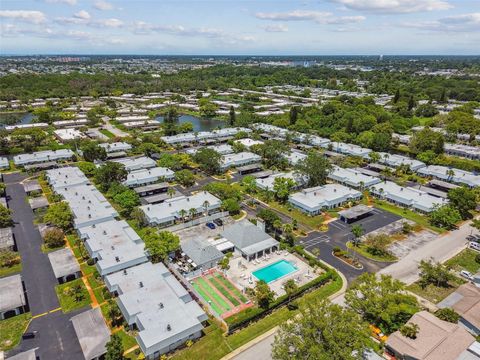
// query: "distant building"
[[68, 134], [456, 176], [116, 147], [248, 142], [43, 157], [406, 196], [136, 163], [239, 159], [170, 211], [203, 254], [148, 176], [294, 157], [267, 183], [395, 161], [314, 200], [352, 178]]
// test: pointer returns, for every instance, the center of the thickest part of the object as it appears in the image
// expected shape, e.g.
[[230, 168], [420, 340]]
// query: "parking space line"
[[39, 315]]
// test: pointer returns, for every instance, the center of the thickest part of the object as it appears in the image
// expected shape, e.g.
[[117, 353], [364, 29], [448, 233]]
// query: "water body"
[[199, 124], [23, 118]]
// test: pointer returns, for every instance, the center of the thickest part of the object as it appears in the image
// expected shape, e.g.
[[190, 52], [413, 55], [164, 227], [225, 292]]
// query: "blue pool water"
[[274, 271]]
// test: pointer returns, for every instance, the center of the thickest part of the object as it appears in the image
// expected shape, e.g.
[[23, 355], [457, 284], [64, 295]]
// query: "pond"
[[22, 118], [199, 124]]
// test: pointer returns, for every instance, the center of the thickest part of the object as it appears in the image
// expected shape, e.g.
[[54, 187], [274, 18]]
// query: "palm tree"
[[206, 204], [182, 214], [361, 184], [277, 225], [170, 192], [357, 231], [192, 212], [450, 173]]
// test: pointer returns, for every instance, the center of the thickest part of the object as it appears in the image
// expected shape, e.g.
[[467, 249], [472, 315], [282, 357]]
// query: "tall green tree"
[[5, 217], [445, 216], [159, 244], [315, 167], [92, 151], [231, 116], [282, 187], [464, 200], [59, 215], [382, 302], [208, 160], [110, 173], [263, 294], [434, 273], [114, 348], [322, 331]]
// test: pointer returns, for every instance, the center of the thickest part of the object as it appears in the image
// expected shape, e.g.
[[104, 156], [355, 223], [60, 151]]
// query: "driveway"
[[56, 338]]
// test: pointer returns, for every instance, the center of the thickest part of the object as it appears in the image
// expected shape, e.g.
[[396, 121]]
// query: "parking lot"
[[202, 231]]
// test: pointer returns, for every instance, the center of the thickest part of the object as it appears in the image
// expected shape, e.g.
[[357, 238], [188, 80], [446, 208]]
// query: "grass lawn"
[[107, 133], [214, 345], [362, 250], [128, 341], [407, 214], [433, 293], [87, 269], [231, 287], [67, 300], [5, 270], [313, 222], [464, 261], [46, 249], [219, 286], [11, 330]]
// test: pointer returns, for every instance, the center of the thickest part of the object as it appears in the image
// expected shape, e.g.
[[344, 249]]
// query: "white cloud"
[[143, 28], [455, 23], [102, 5], [320, 17], [395, 6], [30, 16], [82, 14], [111, 23], [275, 28], [68, 2]]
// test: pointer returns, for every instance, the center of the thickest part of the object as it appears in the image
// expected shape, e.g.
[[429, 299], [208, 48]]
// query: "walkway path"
[[114, 130], [56, 338]]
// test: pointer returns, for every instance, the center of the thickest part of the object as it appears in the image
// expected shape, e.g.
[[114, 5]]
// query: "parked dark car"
[[210, 225], [29, 335], [218, 222]]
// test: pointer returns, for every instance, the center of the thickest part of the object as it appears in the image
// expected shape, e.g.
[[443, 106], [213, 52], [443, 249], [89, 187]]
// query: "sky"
[[240, 27]]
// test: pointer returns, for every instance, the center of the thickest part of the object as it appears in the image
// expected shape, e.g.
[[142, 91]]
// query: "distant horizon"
[[242, 55]]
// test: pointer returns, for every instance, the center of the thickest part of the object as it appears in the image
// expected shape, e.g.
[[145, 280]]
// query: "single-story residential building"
[[407, 196], [116, 147], [88, 205], [148, 176], [155, 303], [114, 245], [68, 134], [170, 210], [436, 339], [347, 149], [40, 202], [64, 265], [352, 178], [152, 189], [43, 157], [32, 186], [294, 157], [40, 125], [239, 159], [12, 297], [4, 163], [466, 302], [250, 240], [271, 129], [7, 240], [92, 333], [66, 177], [395, 161], [70, 123], [268, 182], [313, 200], [203, 254], [136, 163], [249, 142], [466, 151], [451, 175], [222, 149], [25, 355]]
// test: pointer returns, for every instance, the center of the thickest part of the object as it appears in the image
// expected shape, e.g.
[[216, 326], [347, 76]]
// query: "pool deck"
[[240, 274]]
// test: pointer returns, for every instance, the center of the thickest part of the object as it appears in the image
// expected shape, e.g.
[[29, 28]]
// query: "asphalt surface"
[[55, 337]]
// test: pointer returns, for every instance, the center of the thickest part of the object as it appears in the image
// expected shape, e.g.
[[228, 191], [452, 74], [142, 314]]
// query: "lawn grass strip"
[[223, 290], [232, 288], [211, 291], [207, 298]]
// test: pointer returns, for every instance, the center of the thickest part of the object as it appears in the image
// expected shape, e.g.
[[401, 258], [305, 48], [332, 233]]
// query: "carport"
[[355, 213]]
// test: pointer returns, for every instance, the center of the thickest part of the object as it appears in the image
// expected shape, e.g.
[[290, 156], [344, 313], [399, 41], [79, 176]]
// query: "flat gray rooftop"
[[92, 333], [31, 185], [63, 262], [11, 293], [38, 202], [6, 238], [355, 212]]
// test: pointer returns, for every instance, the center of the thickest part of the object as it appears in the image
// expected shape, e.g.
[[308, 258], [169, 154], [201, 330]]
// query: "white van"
[[474, 245]]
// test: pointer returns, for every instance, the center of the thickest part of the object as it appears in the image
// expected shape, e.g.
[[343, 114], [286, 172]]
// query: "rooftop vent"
[[124, 271], [169, 328], [117, 259], [104, 232], [140, 284], [160, 305]]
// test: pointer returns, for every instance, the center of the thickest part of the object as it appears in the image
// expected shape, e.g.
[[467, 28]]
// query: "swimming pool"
[[275, 271]]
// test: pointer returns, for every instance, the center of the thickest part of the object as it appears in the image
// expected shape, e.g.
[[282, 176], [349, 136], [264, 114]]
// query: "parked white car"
[[466, 274]]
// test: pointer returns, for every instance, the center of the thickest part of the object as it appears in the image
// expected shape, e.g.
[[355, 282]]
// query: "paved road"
[[56, 338], [260, 351], [114, 130]]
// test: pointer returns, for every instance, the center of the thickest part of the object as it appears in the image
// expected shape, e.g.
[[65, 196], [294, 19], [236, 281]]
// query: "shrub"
[[54, 238], [8, 258]]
